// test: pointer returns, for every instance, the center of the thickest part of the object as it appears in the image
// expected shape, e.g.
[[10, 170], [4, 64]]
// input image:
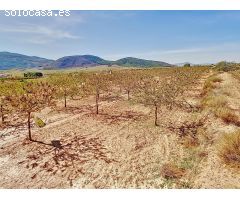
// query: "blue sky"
[[170, 36]]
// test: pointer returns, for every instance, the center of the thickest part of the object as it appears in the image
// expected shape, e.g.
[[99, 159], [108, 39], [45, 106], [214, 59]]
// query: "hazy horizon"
[[169, 36]]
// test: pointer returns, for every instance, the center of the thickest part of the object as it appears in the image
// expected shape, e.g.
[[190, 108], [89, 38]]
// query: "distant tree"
[[225, 66], [158, 93], [7, 89], [98, 83], [33, 74], [66, 85], [34, 97], [222, 64], [128, 81], [187, 65], [3, 94]]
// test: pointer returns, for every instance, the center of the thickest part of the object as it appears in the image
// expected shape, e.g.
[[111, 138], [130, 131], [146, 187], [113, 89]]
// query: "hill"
[[80, 61], [91, 61], [136, 62], [14, 60]]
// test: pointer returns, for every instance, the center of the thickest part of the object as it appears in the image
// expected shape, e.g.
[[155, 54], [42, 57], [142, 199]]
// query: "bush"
[[214, 101], [210, 84], [218, 105], [216, 79], [33, 74], [229, 149], [187, 65], [171, 171], [39, 122], [226, 66], [227, 115]]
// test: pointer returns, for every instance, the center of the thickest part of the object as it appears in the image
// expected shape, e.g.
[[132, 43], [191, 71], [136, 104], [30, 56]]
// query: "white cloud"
[[208, 53], [39, 30], [157, 53], [36, 33]]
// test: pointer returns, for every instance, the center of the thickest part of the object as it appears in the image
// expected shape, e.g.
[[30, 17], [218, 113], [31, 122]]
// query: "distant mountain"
[[13, 60], [136, 62], [91, 61], [80, 61]]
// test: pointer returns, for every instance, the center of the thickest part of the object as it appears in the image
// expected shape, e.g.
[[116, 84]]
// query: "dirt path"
[[212, 172]]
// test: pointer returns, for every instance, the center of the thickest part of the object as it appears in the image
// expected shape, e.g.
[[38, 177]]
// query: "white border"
[[120, 4], [119, 194]]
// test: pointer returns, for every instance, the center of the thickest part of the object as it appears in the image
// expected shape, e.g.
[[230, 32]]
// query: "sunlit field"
[[115, 127]]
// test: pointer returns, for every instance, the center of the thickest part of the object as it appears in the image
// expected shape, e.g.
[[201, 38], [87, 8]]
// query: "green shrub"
[[226, 66], [187, 65], [33, 74]]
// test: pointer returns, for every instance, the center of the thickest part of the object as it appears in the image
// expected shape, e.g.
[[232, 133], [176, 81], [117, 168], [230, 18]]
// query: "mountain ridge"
[[10, 60], [131, 61]]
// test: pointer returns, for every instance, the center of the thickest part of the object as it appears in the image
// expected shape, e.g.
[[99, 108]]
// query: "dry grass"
[[215, 79], [229, 149], [190, 141], [213, 101], [219, 106], [227, 115], [210, 84], [172, 171], [204, 137]]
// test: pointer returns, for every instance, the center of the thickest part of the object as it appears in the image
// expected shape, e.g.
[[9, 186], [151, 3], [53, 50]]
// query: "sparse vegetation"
[[33, 75], [210, 84], [227, 115], [218, 104], [227, 66], [213, 101], [228, 149], [121, 106], [172, 171], [65, 84], [32, 98]]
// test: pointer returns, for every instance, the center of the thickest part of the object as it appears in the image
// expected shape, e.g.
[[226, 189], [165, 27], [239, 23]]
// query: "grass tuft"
[[214, 101], [227, 115], [229, 149], [172, 171], [210, 84]]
